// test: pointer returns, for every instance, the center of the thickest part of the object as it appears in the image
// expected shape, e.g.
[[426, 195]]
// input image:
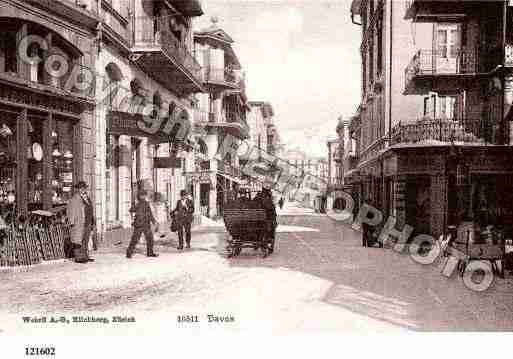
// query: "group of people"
[[144, 219], [80, 213]]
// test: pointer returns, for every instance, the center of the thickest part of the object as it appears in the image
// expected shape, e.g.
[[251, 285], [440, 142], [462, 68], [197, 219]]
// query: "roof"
[[219, 36], [214, 32]]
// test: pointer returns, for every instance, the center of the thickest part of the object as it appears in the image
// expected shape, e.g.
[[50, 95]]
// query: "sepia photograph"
[[268, 168]]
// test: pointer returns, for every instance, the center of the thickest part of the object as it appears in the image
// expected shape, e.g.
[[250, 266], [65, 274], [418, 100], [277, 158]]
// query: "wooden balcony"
[[431, 70], [165, 58], [447, 131]]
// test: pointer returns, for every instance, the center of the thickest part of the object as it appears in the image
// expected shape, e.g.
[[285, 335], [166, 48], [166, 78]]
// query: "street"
[[319, 278]]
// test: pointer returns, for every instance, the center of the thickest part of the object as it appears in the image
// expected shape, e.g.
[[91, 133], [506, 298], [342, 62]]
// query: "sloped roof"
[[215, 32]]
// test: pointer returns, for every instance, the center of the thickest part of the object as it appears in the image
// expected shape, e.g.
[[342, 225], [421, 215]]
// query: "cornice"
[[55, 19]]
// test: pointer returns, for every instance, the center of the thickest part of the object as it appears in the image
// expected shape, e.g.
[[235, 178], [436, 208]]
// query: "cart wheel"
[[237, 251]]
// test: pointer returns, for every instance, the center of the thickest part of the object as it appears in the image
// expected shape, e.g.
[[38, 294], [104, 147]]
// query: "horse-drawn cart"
[[248, 228]]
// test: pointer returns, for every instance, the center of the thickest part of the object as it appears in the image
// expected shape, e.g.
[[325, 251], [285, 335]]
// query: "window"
[[8, 60], [447, 107], [448, 40], [442, 43]]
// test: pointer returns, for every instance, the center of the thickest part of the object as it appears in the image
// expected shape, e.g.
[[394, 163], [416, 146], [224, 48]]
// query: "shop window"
[[62, 162], [35, 163], [8, 59], [36, 69], [7, 163]]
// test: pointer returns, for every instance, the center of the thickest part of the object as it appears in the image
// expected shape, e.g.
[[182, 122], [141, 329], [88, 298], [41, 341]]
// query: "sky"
[[301, 56]]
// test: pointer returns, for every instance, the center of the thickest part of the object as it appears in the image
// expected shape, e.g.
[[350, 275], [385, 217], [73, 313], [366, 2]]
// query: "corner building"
[[432, 130]]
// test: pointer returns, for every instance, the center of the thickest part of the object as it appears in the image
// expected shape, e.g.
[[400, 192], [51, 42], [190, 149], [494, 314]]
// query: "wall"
[[408, 38], [165, 177], [83, 40]]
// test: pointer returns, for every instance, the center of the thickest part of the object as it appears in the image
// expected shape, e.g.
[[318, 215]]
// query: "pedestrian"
[[143, 219], [281, 202], [183, 215], [265, 200], [80, 214]]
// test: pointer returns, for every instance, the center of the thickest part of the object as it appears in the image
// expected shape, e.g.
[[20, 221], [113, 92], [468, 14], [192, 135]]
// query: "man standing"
[[81, 216], [143, 220], [184, 212]]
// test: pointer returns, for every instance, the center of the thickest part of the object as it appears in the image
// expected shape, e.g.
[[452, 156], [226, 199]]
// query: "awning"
[[137, 125], [167, 162], [235, 129]]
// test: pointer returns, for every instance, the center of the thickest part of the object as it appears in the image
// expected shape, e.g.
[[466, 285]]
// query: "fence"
[[32, 244]]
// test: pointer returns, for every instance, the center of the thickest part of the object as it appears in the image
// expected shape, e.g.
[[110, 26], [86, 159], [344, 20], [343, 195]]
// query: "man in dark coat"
[[265, 200], [183, 215], [143, 220]]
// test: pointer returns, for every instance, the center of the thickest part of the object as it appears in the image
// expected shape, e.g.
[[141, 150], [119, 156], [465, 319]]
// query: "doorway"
[[135, 169], [447, 51]]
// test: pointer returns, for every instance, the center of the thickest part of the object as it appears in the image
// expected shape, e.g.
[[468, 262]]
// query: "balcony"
[[228, 169], [201, 116], [221, 78], [446, 131], [237, 129], [432, 70], [163, 56]]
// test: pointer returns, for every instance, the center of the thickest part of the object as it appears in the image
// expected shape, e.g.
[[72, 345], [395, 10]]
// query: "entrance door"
[[447, 51], [418, 205]]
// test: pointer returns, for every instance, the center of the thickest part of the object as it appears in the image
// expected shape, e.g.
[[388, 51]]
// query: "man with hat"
[[183, 214], [143, 219], [80, 212]]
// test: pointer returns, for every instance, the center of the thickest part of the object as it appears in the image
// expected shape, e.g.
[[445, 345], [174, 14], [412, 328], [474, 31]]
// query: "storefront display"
[[62, 163]]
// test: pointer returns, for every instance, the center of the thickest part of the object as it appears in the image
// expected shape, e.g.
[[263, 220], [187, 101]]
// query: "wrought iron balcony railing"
[[475, 131], [154, 32], [435, 62]]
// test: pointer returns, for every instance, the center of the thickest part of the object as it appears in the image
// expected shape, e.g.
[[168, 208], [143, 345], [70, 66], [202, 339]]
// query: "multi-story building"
[[262, 118], [433, 125], [220, 111], [47, 135], [145, 51]]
